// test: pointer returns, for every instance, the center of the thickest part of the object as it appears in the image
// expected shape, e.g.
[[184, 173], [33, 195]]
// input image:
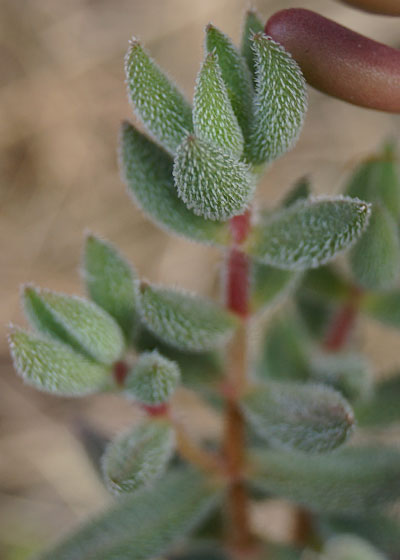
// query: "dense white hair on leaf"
[[212, 183], [280, 101]]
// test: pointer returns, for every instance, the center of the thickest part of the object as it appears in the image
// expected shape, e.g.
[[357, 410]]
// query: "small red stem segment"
[[156, 409], [120, 371], [343, 323], [237, 282]]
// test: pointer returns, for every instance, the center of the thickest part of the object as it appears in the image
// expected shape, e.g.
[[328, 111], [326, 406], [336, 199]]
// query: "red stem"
[[343, 323]]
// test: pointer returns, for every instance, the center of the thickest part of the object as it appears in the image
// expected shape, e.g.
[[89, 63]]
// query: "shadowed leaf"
[[383, 408], [252, 24]]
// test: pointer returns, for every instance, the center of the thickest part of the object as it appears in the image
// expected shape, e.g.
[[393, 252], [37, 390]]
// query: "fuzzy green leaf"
[[351, 481], [349, 373], [383, 408], [378, 180], [147, 170], [252, 24], [185, 320], [54, 368], [375, 258], [235, 74], [156, 100], [144, 525], [350, 547], [213, 117], [111, 282], [153, 379], [76, 322], [270, 285], [309, 418], [309, 233], [383, 307], [139, 456], [211, 183], [280, 102]]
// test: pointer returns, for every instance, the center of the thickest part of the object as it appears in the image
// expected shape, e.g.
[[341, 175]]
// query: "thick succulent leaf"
[[301, 190], [349, 373], [211, 183], [153, 379], [111, 282], [144, 525], [383, 408], [52, 367], [309, 418], [351, 481], [157, 102], [270, 285], [185, 320], [375, 258], [139, 456], [213, 117], [383, 307], [350, 547], [280, 101], [286, 351], [309, 233], [251, 25], [74, 321], [147, 171], [378, 180], [235, 74]]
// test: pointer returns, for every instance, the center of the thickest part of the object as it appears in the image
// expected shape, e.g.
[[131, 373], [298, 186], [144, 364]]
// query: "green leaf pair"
[[79, 344]]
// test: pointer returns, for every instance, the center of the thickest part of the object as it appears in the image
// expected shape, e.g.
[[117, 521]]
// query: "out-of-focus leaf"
[[300, 191], [350, 547], [213, 116], [200, 552], [270, 285], [111, 282], [252, 24], [383, 307], [144, 525], [327, 283], [375, 258], [211, 183], [280, 101], [147, 171], [139, 456], [351, 481], [235, 74], [349, 373], [54, 368], [383, 407], [308, 233], [315, 313], [156, 100], [153, 379], [310, 418], [185, 320], [74, 321]]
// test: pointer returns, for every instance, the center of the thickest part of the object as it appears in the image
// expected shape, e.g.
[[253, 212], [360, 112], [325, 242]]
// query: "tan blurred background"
[[62, 97]]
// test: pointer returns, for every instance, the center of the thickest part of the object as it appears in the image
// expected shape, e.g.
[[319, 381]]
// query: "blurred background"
[[62, 97]]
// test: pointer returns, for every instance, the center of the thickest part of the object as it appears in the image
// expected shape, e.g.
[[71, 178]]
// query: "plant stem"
[[237, 301], [343, 323]]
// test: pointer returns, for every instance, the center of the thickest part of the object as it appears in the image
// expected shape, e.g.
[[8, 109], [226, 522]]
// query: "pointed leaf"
[[139, 456], [383, 307], [156, 100], [378, 180], [310, 418], [74, 321], [54, 368], [111, 282], [309, 233], [153, 379], [144, 525], [211, 183], [375, 258], [185, 320], [252, 24], [280, 102], [270, 286], [351, 481], [349, 373], [213, 116], [350, 547], [235, 74], [383, 408], [147, 170]]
